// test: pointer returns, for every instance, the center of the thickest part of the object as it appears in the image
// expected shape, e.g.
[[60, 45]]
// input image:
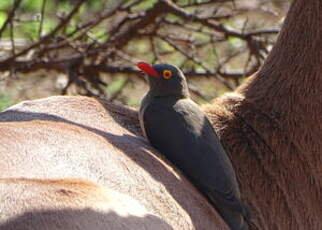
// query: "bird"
[[179, 130]]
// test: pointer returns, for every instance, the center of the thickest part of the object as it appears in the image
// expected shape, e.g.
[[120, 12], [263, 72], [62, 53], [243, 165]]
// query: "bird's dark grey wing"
[[185, 136]]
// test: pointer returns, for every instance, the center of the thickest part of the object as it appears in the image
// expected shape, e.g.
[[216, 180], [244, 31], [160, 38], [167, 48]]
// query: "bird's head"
[[165, 80]]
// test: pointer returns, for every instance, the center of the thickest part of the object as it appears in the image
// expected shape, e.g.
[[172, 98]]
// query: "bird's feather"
[[181, 131]]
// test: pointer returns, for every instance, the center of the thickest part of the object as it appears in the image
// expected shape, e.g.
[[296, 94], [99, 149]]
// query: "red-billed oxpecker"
[[177, 127]]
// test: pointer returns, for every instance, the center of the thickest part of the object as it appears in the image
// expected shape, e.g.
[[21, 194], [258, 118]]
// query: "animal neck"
[[171, 96], [289, 85], [272, 127]]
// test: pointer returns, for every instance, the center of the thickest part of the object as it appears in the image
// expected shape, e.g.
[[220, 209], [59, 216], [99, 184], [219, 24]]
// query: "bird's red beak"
[[147, 68]]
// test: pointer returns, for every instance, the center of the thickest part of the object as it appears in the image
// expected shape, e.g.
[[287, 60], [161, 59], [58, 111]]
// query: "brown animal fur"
[[272, 126], [81, 137], [74, 204]]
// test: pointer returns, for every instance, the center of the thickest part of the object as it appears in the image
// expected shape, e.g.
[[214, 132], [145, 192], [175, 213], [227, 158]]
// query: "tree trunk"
[[272, 126]]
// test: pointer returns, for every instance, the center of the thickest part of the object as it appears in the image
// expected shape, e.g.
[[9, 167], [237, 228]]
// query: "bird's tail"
[[237, 215], [237, 219], [234, 219], [247, 219]]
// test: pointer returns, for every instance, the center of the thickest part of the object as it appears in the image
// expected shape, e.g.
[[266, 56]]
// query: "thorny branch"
[[111, 41]]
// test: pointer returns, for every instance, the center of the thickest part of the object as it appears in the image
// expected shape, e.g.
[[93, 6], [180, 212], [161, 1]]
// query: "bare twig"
[[119, 90], [197, 61], [113, 40], [10, 16], [13, 47], [48, 36], [43, 6]]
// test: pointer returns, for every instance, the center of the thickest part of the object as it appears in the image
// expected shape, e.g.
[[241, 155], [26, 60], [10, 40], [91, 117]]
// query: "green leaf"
[[6, 5], [144, 5], [31, 5], [99, 34], [29, 28], [5, 102], [115, 85], [235, 42], [48, 26], [3, 17]]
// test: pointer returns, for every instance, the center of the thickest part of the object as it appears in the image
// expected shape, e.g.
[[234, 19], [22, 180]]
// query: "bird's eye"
[[167, 74]]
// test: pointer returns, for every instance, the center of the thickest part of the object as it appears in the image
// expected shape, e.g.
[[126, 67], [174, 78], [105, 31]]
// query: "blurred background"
[[90, 47]]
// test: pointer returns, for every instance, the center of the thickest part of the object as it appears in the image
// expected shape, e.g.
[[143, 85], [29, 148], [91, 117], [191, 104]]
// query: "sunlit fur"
[[81, 137], [71, 204]]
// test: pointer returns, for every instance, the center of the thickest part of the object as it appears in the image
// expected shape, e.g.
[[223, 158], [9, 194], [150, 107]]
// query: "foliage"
[[91, 42], [5, 102]]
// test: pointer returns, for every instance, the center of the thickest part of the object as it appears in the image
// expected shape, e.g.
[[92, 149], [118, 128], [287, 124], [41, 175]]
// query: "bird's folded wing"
[[185, 136]]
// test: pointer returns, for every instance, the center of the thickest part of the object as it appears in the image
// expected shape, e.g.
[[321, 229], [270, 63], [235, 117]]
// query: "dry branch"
[[170, 28]]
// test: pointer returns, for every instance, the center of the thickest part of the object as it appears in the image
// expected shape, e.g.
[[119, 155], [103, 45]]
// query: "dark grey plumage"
[[176, 126]]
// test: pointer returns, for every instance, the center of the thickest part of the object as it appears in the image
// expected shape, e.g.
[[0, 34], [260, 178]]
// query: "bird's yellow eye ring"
[[167, 74]]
